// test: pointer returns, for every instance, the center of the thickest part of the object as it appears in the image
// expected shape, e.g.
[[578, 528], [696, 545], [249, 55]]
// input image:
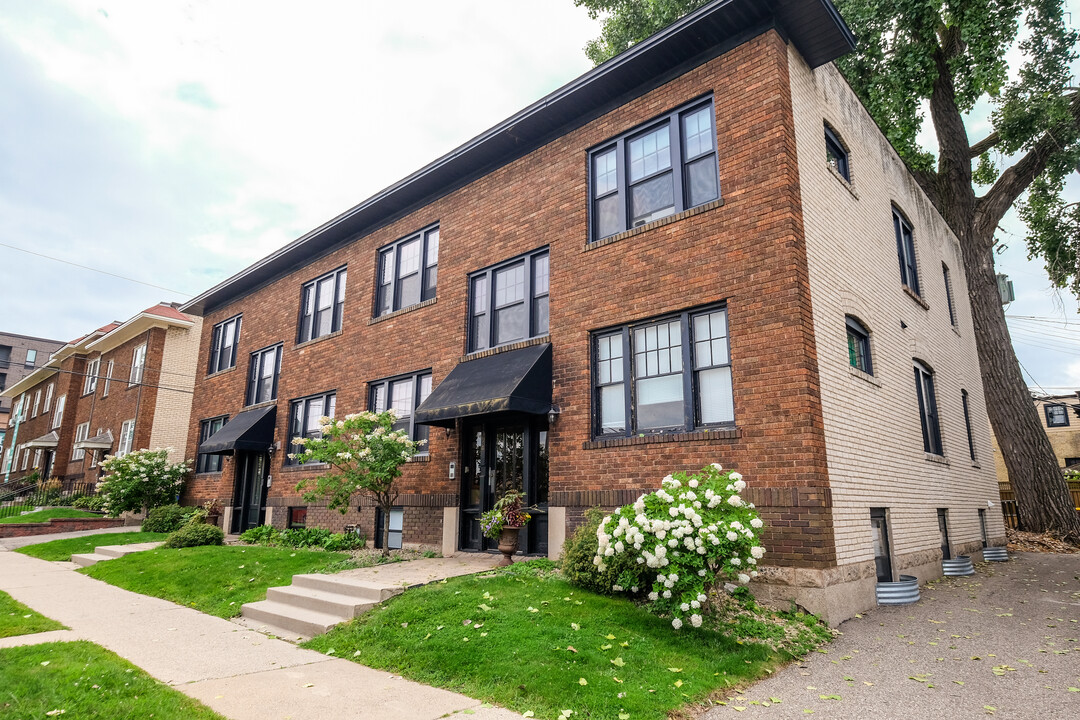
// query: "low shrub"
[[578, 553], [167, 518], [195, 535], [260, 535], [89, 502], [304, 538]]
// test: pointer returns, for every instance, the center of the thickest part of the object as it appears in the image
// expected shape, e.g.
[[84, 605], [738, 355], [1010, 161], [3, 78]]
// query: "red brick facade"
[[745, 251]]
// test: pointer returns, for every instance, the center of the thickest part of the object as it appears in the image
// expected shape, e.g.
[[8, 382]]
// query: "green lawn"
[[64, 549], [540, 644], [86, 681], [17, 619], [45, 515], [215, 579]]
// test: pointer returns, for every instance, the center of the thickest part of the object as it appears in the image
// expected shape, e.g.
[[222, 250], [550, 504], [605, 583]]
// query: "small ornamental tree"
[[144, 479], [365, 455], [686, 538]]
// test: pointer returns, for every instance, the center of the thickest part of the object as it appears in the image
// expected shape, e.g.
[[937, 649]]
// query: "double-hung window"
[[81, 433], [665, 167], [322, 303], [263, 378], [836, 155], [1056, 415], [37, 403], [928, 411], [905, 250], [58, 413], [108, 378], [948, 293], [667, 375], [48, 397], [858, 344], [304, 416], [509, 301], [127, 438], [408, 271], [209, 463], [403, 395], [31, 358], [90, 382], [967, 424], [223, 343], [138, 365]]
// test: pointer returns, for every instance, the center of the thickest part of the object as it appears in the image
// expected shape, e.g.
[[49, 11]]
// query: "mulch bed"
[[1037, 542]]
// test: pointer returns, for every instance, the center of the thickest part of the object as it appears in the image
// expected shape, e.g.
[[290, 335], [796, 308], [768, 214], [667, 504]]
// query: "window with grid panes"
[[263, 377], [223, 342], [905, 250], [90, 381], [509, 301], [928, 410], [322, 304], [403, 395], [304, 415], [408, 271], [858, 341], [209, 463]]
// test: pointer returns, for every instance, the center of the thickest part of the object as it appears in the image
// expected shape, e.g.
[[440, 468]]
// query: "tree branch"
[[983, 145], [992, 206]]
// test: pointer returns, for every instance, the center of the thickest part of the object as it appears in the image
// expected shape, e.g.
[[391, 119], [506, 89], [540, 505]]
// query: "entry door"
[[250, 493], [502, 456], [880, 535]]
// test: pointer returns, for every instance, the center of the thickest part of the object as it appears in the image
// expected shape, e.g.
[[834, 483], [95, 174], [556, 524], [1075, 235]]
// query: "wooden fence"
[[1008, 501]]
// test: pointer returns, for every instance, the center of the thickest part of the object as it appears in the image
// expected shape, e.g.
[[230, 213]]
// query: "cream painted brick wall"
[[872, 432], [172, 413]]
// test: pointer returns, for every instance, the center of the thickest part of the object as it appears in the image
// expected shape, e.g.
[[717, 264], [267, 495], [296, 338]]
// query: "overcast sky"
[[177, 142]]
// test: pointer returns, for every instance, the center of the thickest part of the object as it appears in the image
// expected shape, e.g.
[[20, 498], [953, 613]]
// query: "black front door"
[[249, 495], [501, 455]]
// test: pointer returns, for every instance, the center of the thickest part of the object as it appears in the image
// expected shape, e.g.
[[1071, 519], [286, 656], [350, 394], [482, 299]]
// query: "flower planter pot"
[[508, 544], [958, 566], [212, 519], [904, 592], [996, 554]]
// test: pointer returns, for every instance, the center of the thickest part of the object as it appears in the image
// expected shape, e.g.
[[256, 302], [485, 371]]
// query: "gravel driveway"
[[1002, 643]]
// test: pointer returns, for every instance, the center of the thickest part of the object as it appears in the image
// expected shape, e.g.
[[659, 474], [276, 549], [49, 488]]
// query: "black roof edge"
[[813, 26]]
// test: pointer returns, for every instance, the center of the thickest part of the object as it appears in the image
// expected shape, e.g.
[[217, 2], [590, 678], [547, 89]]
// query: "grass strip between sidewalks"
[[17, 619], [58, 550], [45, 515]]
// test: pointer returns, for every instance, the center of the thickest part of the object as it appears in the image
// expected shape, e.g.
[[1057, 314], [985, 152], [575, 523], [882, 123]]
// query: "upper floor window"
[[48, 398], [127, 438], [31, 358], [138, 365], [948, 293], [858, 344], [5, 357], [509, 302], [304, 415], [408, 271], [322, 302], [37, 403], [836, 155], [967, 424], [905, 250], [108, 378], [403, 395], [649, 173], [671, 375], [1056, 415], [263, 378], [58, 414], [3, 382], [223, 343], [209, 463], [82, 431], [928, 412], [90, 381]]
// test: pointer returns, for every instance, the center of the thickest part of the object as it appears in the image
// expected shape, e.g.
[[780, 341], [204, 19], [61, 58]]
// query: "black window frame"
[[836, 153], [1050, 423], [427, 271], [255, 374], [905, 250], [678, 166], [689, 372], [858, 337], [967, 423], [417, 432], [206, 463], [947, 276], [303, 404], [218, 360], [31, 358], [535, 298], [297, 517], [929, 420], [399, 534], [310, 296]]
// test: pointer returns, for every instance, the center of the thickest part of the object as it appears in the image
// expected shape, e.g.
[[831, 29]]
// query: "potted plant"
[[504, 521]]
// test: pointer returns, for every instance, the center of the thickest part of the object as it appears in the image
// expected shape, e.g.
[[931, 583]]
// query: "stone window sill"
[[696, 435], [939, 459], [221, 372], [402, 311], [653, 225], [848, 185], [915, 296], [319, 339], [867, 377], [506, 348]]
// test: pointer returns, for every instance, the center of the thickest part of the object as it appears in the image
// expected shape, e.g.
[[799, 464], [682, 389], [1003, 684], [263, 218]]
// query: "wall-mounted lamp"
[[553, 414]]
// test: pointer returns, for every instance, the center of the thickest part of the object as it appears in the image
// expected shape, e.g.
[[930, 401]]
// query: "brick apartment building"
[[122, 387], [1060, 416], [701, 251], [19, 356]]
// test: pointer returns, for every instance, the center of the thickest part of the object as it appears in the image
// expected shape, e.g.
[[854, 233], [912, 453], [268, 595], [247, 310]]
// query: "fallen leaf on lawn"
[[440, 627], [483, 634], [609, 636], [605, 647], [575, 626], [829, 697], [582, 681], [532, 609], [484, 607], [617, 680], [56, 712], [624, 716], [465, 639], [867, 683], [618, 662], [466, 622], [45, 663], [528, 713], [775, 700], [674, 669], [678, 683], [357, 653], [566, 713], [571, 648], [623, 643]]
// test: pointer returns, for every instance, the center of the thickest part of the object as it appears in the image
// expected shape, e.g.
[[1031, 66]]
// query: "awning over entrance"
[[250, 430], [48, 441], [104, 441], [515, 381]]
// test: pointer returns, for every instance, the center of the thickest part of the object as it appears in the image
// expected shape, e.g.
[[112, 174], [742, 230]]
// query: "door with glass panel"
[[249, 495]]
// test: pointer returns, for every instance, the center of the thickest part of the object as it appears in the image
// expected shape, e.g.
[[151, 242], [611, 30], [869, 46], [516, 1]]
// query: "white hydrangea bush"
[[692, 534]]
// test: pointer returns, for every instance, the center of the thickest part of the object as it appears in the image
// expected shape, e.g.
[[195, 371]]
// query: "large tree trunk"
[[1042, 495]]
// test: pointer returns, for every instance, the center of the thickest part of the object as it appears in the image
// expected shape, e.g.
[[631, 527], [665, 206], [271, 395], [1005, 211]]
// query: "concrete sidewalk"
[[1002, 643], [239, 673]]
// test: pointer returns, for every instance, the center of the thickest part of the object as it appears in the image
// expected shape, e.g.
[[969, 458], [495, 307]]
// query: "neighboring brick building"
[[687, 255], [19, 356], [1060, 416], [122, 387]]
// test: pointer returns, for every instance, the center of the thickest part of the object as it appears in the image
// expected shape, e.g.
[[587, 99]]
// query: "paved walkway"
[[237, 672], [1003, 643]]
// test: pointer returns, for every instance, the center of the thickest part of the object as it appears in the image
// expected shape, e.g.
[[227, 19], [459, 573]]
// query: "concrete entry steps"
[[110, 552]]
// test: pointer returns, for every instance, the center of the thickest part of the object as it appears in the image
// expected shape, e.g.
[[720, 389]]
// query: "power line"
[[103, 272]]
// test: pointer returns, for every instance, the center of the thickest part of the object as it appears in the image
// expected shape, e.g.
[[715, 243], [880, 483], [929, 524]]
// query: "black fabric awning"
[[515, 381], [250, 430]]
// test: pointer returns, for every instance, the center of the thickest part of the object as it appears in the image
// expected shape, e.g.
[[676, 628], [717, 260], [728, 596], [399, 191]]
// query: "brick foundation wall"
[[57, 525]]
